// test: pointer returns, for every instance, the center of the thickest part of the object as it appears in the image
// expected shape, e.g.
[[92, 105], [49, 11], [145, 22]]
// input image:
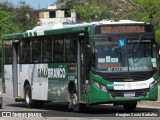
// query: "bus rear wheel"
[[28, 97], [130, 106], [74, 103]]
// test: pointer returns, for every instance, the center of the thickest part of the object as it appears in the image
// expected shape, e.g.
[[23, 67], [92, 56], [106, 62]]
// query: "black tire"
[[0, 106], [74, 103], [129, 107], [28, 99], [28, 96], [1, 100]]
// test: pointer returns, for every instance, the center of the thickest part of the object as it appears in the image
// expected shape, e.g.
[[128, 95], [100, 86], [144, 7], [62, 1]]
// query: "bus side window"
[[25, 54], [58, 50], [47, 50], [70, 49], [35, 58], [8, 52], [36, 50]]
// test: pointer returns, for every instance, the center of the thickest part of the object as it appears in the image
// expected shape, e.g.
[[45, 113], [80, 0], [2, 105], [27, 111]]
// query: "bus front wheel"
[[130, 106]]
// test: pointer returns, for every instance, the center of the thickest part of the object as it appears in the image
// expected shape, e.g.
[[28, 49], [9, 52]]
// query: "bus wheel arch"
[[25, 83], [71, 87]]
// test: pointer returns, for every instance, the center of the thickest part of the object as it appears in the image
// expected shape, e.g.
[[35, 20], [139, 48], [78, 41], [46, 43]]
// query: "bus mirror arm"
[[89, 46], [157, 48], [89, 51]]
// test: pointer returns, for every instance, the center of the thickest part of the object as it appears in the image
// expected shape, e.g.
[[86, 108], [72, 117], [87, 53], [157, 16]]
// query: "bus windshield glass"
[[116, 54]]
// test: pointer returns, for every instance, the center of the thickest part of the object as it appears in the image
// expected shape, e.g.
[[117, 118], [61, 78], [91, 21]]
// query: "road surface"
[[61, 110]]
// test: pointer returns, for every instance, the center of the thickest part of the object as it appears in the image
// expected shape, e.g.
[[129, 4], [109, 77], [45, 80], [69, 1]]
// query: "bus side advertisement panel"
[[58, 79]]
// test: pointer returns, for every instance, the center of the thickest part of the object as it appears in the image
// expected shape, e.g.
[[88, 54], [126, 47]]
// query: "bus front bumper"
[[97, 95]]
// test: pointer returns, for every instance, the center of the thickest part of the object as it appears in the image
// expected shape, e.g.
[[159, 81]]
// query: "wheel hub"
[[27, 98], [74, 99]]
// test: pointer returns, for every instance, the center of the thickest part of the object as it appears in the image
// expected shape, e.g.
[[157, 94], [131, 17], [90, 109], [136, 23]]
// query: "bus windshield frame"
[[128, 52]]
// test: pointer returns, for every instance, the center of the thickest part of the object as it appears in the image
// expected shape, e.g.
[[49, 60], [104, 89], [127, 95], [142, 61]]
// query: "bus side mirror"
[[89, 50]]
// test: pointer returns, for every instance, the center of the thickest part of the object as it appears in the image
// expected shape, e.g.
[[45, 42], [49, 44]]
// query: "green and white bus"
[[82, 64]]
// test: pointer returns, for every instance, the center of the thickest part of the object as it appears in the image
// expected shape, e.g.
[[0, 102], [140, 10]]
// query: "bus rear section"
[[124, 64]]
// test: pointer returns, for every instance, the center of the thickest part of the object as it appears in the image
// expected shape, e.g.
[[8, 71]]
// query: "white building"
[[53, 15]]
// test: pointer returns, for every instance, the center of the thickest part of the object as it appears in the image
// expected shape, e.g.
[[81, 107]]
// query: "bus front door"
[[83, 65]]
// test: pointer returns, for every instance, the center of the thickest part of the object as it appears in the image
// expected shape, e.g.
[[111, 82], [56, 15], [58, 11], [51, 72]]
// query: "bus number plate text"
[[129, 94]]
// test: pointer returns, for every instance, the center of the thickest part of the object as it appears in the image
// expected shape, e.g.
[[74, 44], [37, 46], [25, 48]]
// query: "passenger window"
[[36, 50], [70, 48], [58, 50], [47, 50], [8, 52], [25, 54]]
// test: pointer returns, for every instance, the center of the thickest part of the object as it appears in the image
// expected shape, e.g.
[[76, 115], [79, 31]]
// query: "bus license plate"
[[129, 94]]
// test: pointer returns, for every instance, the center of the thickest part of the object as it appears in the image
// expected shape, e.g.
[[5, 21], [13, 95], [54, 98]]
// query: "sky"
[[33, 3]]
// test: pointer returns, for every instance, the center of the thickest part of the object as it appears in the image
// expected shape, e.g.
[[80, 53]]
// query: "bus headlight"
[[96, 84], [100, 86], [153, 84]]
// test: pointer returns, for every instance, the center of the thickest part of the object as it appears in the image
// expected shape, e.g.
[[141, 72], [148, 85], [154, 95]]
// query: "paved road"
[[61, 110]]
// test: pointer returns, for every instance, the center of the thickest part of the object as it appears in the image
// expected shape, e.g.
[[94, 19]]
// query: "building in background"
[[55, 14]]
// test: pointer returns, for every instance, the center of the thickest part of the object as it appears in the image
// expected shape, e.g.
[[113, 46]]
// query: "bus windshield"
[[117, 54]]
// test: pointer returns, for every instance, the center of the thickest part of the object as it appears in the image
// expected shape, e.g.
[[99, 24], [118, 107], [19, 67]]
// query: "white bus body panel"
[[39, 86], [8, 80]]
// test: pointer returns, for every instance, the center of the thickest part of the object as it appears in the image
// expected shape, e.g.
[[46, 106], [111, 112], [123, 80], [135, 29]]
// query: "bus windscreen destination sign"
[[122, 29], [119, 29]]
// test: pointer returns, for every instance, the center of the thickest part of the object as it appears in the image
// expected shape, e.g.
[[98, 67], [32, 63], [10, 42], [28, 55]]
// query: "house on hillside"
[[54, 14]]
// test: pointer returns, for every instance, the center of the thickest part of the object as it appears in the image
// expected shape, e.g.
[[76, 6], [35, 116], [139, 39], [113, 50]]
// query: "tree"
[[6, 25], [148, 11], [87, 10], [6, 6], [93, 10], [25, 16], [139, 10], [13, 20]]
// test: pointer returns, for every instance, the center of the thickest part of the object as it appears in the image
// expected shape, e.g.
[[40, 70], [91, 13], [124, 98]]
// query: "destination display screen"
[[119, 29]]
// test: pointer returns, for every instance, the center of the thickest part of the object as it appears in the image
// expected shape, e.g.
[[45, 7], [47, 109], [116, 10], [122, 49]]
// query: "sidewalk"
[[154, 104]]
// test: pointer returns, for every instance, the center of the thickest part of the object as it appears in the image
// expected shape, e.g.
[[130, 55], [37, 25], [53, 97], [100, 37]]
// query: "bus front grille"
[[124, 76], [136, 93]]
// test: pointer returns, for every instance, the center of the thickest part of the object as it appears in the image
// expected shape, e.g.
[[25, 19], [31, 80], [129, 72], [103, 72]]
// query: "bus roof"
[[60, 28], [46, 30]]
